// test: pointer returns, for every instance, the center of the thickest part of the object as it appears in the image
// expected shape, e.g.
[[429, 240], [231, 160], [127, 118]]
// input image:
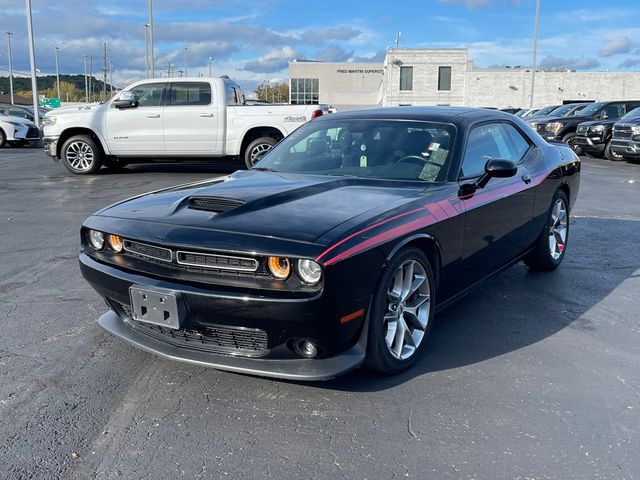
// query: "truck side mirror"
[[126, 100]]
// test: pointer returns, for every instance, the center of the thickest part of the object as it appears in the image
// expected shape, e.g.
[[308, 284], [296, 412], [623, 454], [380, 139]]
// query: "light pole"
[[10, 66], [153, 63], [32, 60], [210, 60], [57, 49], [146, 45], [186, 62], [86, 80], [535, 51]]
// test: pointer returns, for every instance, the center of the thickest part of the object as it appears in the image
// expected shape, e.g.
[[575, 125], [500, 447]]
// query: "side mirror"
[[126, 100], [496, 168]]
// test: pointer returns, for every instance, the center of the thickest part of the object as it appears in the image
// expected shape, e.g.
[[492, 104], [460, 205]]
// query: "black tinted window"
[[190, 93], [496, 140], [149, 95], [613, 112]]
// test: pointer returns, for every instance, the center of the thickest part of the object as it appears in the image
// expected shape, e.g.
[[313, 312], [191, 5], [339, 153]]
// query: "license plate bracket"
[[157, 306]]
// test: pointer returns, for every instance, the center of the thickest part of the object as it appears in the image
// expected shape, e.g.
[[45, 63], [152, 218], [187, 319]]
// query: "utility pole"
[[210, 60], [104, 78], [186, 62], [146, 44], [32, 60], [10, 66], [110, 77], [86, 80], [535, 51], [90, 78], [153, 67], [57, 72]]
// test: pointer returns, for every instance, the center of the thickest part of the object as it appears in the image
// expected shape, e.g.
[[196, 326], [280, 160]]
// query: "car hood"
[[20, 120], [273, 204], [606, 123]]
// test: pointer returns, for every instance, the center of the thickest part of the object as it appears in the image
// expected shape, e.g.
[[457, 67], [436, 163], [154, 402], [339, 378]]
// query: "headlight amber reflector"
[[115, 243], [279, 267], [96, 239]]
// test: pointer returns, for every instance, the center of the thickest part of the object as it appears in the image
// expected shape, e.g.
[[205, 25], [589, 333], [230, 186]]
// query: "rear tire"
[[81, 155], [3, 138], [552, 242], [401, 312], [255, 148], [614, 157]]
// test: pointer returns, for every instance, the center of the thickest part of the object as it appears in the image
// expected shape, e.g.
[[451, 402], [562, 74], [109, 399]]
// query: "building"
[[447, 77]]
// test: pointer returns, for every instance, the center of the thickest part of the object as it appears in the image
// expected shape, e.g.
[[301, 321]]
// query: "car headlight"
[[532, 123], [554, 127], [17, 125], [279, 267], [597, 128], [115, 243], [96, 239], [310, 272], [636, 129], [49, 120]]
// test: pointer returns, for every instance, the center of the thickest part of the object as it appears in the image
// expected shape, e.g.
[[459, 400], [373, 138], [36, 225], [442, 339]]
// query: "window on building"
[[444, 78], [305, 91], [406, 78]]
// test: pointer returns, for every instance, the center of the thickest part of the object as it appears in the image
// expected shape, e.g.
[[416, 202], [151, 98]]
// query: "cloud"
[[477, 3], [630, 63], [376, 57], [318, 36], [333, 53], [273, 61], [571, 63], [617, 45]]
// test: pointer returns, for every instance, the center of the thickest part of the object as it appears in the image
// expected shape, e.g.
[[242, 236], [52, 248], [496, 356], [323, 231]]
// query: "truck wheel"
[[257, 148], [3, 138], [570, 139], [611, 155], [81, 155]]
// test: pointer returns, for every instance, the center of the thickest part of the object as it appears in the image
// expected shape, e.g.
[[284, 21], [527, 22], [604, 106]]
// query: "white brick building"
[[447, 77]]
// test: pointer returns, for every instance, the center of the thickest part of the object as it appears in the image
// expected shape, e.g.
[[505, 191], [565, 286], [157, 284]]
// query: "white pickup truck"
[[169, 118]]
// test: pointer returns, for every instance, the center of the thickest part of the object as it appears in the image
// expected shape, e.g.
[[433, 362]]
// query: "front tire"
[[614, 157], [552, 243], [402, 312], [3, 138], [257, 148], [81, 155], [570, 139]]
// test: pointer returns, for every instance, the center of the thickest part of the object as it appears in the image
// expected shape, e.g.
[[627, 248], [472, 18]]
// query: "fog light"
[[115, 243], [306, 349], [96, 239]]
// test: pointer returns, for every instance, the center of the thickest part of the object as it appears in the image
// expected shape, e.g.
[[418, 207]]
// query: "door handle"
[[206, 114], [526, 179], [153, 115]]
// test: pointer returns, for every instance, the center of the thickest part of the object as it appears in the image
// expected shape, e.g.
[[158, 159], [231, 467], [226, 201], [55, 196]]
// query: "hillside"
[[48, 81]]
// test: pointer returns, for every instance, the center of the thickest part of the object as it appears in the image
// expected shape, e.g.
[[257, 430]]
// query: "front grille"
[[33, 132], [222, 339], [149, 251], [212, 204], [221, 262], [622, 131]]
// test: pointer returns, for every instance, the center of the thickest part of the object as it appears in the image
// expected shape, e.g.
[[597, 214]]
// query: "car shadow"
[[214, 165], [518, 307]]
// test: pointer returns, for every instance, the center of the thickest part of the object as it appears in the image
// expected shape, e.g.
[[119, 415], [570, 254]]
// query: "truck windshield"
[[632, 115], [591, 109], [383, 149]]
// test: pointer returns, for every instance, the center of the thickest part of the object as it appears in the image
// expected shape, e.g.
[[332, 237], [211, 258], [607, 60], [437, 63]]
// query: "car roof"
[[433, 114]]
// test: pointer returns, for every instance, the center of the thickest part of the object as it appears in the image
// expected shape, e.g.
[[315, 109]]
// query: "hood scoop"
[[214, 204]]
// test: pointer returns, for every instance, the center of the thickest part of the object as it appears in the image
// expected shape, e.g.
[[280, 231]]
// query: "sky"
[[253, 40]]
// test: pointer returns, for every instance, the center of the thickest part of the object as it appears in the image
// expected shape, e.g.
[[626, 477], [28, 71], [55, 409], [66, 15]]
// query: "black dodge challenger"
[[338, 247]]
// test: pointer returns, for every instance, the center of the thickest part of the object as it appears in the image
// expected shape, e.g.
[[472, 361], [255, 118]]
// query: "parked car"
[[338, 247], [564, 128], [526, 112], [595, 136], [511, 110], [625, 141], [23, 111], [538, 122], [17, 131], [166, 118]]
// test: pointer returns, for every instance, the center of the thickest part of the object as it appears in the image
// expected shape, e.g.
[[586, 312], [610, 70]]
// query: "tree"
[[273, 92]]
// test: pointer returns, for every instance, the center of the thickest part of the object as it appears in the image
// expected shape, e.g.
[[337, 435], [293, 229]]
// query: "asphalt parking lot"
[[533, 376]]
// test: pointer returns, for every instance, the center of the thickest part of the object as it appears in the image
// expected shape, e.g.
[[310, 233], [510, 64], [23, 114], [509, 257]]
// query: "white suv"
[[17, 130]]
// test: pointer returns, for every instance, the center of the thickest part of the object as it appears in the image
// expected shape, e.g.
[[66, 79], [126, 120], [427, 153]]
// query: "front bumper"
[[51, 146], [342, 347], [627, 148], [590, 144]]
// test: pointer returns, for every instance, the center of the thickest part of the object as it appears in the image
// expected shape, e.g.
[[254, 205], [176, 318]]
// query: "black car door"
[[498, 217]]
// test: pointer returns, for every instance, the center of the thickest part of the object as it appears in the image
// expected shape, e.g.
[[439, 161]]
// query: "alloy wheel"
[[558, 229], [80, 156], [258, 151], [408, 308]]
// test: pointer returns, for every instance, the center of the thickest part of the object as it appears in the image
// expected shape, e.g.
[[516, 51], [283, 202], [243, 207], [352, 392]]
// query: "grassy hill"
[[48, 81]]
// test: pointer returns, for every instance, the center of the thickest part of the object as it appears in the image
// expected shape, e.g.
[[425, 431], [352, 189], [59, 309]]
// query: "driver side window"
[[489, 141], [149, 94]]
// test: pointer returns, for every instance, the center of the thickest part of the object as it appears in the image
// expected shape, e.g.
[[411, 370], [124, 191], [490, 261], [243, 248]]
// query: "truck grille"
[[221, 339], [622, 131]]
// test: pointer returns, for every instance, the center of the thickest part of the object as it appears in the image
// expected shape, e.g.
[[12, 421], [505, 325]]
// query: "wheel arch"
[[257, 132], [70, 132], [426, 243]]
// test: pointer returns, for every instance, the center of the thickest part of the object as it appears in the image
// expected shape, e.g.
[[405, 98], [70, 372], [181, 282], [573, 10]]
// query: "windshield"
[[591, 109], [563, 110], [384, 149], [544, 111], [632, 114]]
